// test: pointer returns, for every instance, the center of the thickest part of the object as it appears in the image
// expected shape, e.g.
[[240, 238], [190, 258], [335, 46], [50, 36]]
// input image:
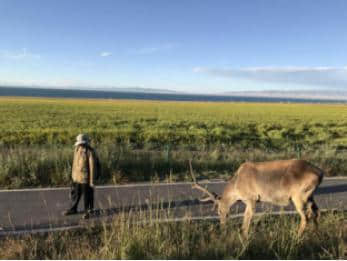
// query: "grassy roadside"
[[50, 166], [270, 238]]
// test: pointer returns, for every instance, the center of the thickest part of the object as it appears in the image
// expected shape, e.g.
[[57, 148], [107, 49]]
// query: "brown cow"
[[276, 182]]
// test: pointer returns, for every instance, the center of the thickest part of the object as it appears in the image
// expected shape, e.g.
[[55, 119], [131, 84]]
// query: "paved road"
[[40, 209]]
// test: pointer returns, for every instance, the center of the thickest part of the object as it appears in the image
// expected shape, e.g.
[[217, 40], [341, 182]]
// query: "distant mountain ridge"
[[137, 95], [98, 88], [293, 94], [328, 95], [133, 89]]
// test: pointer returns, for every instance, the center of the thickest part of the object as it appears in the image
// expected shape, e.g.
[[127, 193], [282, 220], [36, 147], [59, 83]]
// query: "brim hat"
[[81, 139]]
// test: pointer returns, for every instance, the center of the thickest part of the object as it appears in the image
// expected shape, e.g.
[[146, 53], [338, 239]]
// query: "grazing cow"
[[276, 182]]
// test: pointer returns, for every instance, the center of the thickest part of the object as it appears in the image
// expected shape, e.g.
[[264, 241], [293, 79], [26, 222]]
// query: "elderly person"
[[83, 174]]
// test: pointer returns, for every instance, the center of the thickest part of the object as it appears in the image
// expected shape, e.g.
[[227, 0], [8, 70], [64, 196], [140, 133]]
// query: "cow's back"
[[273, 181], [301, 175]]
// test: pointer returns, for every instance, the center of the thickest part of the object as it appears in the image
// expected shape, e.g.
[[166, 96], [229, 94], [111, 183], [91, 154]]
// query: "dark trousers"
[[77, 190]]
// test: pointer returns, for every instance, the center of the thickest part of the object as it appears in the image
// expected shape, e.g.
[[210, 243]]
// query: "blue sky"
[[186, 45]]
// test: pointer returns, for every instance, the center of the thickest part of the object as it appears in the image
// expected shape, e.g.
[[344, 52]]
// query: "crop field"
[[56, 121], [152, 140]]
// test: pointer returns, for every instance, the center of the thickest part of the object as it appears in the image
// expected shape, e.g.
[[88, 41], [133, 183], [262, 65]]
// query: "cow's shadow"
[[147, 207], [192, 202], [332, 189]]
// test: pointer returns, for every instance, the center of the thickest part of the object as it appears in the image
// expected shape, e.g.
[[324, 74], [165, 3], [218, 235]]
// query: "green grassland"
[[56, 121], [153, 140]]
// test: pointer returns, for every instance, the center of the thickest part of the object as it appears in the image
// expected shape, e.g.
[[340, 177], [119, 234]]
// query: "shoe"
[[86, 215], [69, 212]]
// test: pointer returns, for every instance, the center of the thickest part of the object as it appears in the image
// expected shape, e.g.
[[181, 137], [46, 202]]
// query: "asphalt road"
[[35, 210]]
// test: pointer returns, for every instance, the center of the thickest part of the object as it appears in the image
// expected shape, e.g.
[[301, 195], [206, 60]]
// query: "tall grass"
[[270, 238], [44, 166]]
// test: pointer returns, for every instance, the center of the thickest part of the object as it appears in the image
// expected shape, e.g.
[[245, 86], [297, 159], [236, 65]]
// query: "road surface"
[[37, 210]]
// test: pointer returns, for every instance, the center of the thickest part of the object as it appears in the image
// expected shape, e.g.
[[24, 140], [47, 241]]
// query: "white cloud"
[[19, 55], [105, 54], [316, 76]]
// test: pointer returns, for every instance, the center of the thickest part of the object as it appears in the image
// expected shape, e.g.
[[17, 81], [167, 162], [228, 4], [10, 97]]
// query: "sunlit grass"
[[152, 140], [271, 237]]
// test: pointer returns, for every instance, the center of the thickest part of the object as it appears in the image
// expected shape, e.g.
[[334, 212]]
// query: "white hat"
[[81, 139]]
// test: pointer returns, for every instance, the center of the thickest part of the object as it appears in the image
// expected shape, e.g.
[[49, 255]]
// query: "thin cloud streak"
[[153, 49], [105, 54], [54, 83], [335, 77], [19, 55]]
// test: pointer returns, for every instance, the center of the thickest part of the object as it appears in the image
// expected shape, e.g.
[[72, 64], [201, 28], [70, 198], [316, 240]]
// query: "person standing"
[[84, 170]]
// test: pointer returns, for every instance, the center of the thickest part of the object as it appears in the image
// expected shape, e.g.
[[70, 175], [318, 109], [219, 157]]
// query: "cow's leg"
[[224, 208], [250, 206], [300, 207], [313, 211]]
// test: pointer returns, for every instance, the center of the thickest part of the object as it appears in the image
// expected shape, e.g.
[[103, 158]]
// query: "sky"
[[199, 46]]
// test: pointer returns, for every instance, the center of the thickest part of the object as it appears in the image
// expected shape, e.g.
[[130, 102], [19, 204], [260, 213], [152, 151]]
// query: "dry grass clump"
[[271, 237]]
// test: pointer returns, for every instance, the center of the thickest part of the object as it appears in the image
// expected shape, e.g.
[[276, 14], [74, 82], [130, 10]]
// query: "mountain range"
[[296, 94], [290, 94]]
